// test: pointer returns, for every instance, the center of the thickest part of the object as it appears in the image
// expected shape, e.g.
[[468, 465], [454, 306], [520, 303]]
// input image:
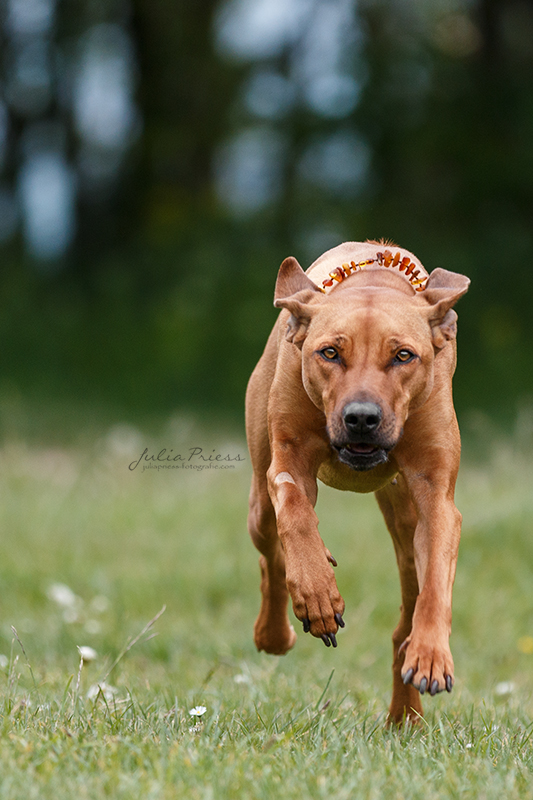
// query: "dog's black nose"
[[361, 417]]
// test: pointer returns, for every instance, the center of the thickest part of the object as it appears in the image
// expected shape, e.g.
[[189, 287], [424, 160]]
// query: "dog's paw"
[[316, 601], [427, 666], [275, 640]]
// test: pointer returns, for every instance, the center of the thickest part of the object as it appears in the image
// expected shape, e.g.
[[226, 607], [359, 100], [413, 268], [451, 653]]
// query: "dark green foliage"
[[165, 298]]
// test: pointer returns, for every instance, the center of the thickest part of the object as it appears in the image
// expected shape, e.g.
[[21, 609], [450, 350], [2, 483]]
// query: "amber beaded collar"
[[416, 276]]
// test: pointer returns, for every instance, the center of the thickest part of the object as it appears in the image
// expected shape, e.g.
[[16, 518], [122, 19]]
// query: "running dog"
[[355, 388]]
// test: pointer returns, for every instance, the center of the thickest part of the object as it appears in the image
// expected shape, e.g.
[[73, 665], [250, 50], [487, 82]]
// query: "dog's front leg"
[[428, 663], [310, 580]]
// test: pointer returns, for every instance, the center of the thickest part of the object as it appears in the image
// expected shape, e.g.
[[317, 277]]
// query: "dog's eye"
[[330, 353], [404, 356]]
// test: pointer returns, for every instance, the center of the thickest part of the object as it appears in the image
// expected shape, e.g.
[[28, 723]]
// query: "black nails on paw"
[[408, 676], [339, 620], [449, 683], [423, 685], [325, 639], [307, 625], [434, 688]]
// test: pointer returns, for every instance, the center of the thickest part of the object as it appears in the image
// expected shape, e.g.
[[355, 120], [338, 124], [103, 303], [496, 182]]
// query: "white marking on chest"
[[284, 477]]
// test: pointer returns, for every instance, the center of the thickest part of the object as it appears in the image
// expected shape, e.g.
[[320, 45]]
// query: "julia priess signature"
[[196, 459]]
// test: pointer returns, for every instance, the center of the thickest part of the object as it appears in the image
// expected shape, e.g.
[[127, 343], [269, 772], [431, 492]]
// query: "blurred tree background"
[[159, 159]]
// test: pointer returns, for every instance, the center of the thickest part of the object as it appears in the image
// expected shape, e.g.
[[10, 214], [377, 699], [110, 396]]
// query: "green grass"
[[308, 725]]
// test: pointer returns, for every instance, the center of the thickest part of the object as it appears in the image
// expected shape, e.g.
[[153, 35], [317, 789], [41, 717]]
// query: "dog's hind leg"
[[401, 519], [272, 631]]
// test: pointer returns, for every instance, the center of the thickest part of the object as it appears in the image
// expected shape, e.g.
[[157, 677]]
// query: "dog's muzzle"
[[362, 448]]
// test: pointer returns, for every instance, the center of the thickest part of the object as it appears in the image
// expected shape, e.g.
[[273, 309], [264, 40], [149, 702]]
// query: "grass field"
[[91, 552]]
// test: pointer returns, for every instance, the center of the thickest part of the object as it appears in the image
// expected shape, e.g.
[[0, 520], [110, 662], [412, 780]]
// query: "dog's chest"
[[340, 476]]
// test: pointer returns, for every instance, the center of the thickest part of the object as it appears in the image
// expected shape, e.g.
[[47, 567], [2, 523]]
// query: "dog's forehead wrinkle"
[[388, 303], [371, 321]]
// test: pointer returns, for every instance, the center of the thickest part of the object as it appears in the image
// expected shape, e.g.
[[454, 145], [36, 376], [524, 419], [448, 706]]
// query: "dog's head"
[[368, 351]]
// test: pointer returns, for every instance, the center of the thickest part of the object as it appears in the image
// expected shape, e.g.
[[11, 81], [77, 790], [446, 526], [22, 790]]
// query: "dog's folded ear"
[[443, 290], [293, 291]]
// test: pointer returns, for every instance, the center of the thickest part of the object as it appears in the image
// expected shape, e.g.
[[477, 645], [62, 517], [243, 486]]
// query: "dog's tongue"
[[360, 447]]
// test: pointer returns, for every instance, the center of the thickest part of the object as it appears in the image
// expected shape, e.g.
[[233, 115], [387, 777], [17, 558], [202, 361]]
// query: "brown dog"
[[354, 388]]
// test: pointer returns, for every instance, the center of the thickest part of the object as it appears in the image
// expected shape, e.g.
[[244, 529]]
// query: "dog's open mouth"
[[361, 447], [361, 455]]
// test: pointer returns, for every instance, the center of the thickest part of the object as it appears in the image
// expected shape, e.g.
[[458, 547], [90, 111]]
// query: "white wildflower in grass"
[[504, 689], [4, 661], [87, 654], [102, 689], [242, 678], [63, 595], [197, 711]]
